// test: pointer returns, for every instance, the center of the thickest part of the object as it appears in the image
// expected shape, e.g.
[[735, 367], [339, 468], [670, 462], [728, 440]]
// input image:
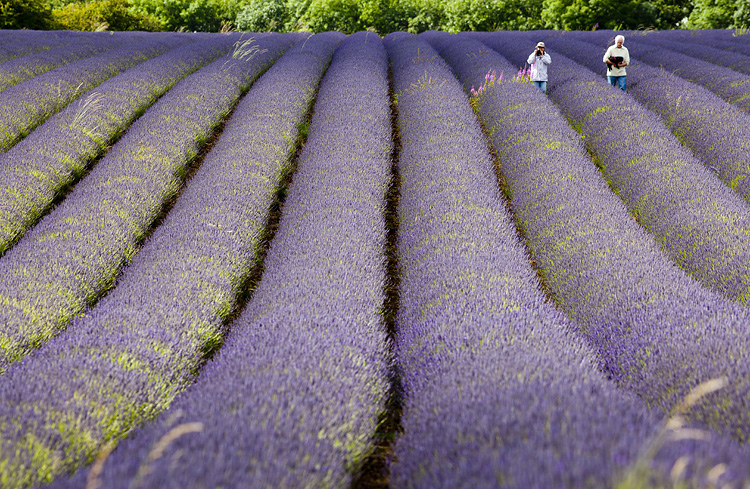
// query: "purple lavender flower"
[[75, 252], [17, 43], [302, 375], [603, 270], [481, 353], [717, 132], [495, 378], [25, 67], [699, 221], [26, 105], [709, 51], [54, 155], [728, 84], [178, 289]]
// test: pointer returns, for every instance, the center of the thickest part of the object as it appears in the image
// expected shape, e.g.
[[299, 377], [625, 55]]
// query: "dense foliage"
[[382, 16], [116, 15], [25, 14]]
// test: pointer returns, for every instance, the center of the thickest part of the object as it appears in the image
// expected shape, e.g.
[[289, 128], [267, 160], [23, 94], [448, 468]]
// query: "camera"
[[539, 52]]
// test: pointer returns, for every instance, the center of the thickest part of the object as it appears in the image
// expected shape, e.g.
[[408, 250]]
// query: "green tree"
[[262, 16], [608, 14], [384, 16], [332, 15], [191, 15], [425, 15], [741, 17], [711, 14], [568, 14], [25, 14], [58, 4], [370, 11], [669, 14], [203, 16], [491, 15], [295, 13], [528, 16], [114, 15]]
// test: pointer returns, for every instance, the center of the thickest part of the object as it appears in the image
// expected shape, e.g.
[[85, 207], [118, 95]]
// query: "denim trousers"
[[618, 81], [541, 85]]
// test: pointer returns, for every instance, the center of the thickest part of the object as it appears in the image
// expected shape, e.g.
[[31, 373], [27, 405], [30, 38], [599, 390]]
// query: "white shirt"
[[613, 50], [539, 66]]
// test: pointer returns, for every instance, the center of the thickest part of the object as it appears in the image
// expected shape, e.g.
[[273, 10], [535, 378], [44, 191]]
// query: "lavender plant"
[[715, 39], [714, 130], [709, 51], [51, 158], [76, 251], [22, 68], [728, 84], [26, 105], [475, 334], [603, 269], [701, 224], [302, 376], [495, 380], [23, 43], [694, 58], [178, 290]]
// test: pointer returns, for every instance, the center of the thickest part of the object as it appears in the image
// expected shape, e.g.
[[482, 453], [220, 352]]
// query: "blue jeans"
[[541, 85], [619, 81]]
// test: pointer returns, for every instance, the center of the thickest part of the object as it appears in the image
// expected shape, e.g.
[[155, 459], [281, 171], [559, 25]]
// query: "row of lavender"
[[702, 226], [600, 266], [14, 44], [722, 73], [604, 270], [21, 60], [52, 157], [728, 41], [22, 68], [303, 374], [24, 57], [75, 252], [26, 105], [434, 340], [499, 389], [182, 284], [715, 129], [436, 322]]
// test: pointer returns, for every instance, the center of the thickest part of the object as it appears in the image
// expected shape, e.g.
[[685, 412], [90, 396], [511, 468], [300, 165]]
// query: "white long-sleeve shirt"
[[613, 50], [539, 66]]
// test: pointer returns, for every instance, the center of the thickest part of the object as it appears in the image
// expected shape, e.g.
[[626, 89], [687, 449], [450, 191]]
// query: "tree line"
[[381, 16]]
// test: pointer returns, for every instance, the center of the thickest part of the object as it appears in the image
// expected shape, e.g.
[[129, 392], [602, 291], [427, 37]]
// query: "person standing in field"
[[617, 58], [539, 60]]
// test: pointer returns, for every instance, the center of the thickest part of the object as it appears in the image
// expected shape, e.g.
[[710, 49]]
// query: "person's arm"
[[625, 58], [606, 56], [546, 59], [531, 58]]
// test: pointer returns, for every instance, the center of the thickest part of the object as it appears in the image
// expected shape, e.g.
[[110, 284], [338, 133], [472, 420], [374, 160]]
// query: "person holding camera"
[[617, 58], [539, 60]]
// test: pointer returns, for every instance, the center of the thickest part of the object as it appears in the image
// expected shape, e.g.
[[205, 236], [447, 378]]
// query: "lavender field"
[[264, 260]]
